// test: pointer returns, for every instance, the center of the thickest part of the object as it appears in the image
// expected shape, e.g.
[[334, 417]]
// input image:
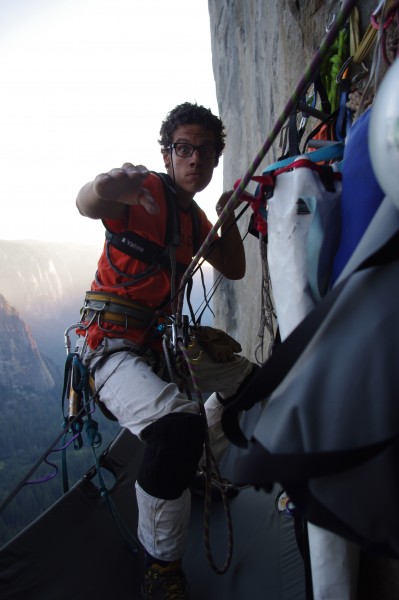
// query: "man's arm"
[[227, 255], [109, 193]]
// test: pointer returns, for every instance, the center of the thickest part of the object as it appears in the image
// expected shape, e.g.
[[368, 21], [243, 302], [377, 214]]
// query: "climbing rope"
[[24, 481], [267, 313], [212, 478]]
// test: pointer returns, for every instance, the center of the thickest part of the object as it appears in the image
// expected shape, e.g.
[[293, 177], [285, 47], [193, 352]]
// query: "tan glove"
[[219, 344]]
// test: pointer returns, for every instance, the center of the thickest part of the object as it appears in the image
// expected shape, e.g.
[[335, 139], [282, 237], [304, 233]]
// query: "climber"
[[119, 339]]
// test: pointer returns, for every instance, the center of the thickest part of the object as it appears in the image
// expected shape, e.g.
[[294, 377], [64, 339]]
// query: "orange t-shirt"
[[152, 290]]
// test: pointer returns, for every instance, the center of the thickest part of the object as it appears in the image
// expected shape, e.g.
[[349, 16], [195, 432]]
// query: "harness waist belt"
[[116, 309]]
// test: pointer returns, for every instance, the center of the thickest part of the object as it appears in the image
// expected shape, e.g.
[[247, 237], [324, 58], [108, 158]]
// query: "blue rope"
[[84, 420]]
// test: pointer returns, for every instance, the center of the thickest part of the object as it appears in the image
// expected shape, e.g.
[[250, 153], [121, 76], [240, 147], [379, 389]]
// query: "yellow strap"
[[116, 299], [353, 31], [115, 319], [365, 45], [368, 39]]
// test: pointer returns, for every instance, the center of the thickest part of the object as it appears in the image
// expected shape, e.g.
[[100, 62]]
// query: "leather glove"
[[219, 345]]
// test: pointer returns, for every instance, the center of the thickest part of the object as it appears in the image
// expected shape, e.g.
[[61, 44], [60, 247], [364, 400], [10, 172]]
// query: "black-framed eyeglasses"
[[185, 150]]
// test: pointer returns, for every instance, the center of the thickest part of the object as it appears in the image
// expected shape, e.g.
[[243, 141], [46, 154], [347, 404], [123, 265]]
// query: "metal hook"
[[361, 75], [331, 23], [98, 315], [67, 339], [342, 70]]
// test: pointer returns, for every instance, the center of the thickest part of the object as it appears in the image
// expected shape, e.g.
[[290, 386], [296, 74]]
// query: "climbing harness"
[[114, 309]]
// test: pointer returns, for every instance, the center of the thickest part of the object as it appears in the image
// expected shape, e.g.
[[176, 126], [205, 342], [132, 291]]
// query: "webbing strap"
[[116, 309], [262, 467], [138, 247], [327, 153]]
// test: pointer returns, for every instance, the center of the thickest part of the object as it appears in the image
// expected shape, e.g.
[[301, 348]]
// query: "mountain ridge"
[[21, 364], [46, 282]]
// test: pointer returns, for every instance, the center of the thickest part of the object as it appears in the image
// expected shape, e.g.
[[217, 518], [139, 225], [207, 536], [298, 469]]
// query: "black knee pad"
[[173, 448]]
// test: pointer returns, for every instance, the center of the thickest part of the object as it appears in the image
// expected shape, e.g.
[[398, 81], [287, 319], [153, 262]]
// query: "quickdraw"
[[79, 390], [79, 416]]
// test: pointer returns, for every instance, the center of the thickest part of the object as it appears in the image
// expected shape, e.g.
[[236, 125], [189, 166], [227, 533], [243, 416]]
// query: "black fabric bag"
[[329, 430]]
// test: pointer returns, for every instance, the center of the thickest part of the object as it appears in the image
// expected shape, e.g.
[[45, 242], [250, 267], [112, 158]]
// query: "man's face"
[[191, 173]]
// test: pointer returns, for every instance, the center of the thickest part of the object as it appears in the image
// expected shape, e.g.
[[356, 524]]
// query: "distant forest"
[[29, 424]]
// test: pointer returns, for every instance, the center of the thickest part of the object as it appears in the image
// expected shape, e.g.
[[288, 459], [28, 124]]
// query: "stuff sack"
[[361, 194], [303, 218]]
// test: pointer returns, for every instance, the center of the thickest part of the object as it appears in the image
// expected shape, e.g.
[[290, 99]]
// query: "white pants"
[[137, 397], [334, 562]]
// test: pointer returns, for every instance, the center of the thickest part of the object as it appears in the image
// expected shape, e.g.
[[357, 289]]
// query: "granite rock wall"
[[260, 51]]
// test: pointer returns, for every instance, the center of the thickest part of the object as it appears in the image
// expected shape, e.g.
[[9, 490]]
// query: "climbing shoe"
[[165, 583]]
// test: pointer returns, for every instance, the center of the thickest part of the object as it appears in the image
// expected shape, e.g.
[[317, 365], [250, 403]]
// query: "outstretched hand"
[[125, 185]]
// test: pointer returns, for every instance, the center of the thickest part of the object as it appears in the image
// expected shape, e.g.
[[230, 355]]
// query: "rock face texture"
[[260, 51]]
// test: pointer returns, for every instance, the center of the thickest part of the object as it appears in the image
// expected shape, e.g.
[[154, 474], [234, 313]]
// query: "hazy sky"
[[85, 86]]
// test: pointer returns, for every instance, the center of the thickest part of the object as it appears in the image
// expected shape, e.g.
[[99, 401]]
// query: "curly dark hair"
[[188, 114]]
